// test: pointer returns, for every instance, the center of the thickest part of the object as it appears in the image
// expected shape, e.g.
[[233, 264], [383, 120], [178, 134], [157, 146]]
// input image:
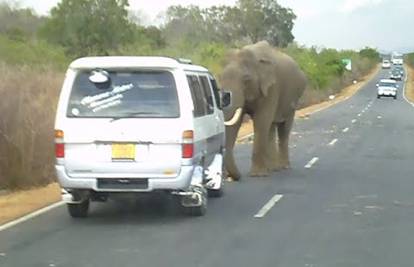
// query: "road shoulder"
[[17, 204], [409, 86]]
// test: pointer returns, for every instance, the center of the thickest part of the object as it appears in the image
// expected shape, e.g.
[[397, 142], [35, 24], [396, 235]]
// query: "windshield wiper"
[[133, 115]]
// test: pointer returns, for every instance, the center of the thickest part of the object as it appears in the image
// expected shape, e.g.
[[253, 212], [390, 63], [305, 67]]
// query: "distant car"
[[400, 69], [387, 88], [396, 75], [386, 64]]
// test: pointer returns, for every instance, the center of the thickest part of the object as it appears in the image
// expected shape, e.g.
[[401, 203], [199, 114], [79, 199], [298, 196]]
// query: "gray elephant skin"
[[267, 85]]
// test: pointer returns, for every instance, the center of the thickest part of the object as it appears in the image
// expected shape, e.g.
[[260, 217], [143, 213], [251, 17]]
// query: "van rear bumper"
[[181, 182]]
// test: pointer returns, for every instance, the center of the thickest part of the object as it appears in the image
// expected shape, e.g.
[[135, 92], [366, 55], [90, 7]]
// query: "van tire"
[[79, 210], [216, 193], [197, 211]]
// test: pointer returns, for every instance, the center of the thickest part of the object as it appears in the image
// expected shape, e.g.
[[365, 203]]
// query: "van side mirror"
[[225, 99], [377, 85]]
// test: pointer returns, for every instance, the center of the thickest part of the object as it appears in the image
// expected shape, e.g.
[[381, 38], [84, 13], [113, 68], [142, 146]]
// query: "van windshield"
[[127, 94], [386, 84]]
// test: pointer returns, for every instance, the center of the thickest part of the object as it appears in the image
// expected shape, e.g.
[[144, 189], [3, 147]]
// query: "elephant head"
[[248, 79]]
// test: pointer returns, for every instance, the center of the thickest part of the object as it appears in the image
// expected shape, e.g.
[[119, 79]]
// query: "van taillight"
[[59, 144], [188, 145], [60, 150]]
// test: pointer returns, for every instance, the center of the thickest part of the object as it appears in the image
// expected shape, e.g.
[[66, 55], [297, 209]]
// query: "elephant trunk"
[[230, 164]]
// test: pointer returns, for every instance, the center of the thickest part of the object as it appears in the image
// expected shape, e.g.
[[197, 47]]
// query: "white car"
[[387, 88], [139, 125], [386, 64]]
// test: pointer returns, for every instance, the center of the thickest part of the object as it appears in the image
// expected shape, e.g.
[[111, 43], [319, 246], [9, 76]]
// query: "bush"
[[26, 125], [409, 59], [32, 53]]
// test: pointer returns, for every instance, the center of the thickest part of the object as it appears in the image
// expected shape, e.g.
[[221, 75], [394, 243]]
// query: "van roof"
[[133, 62]]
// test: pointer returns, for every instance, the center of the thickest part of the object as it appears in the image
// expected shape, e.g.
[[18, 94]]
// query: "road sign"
[[348, 63]]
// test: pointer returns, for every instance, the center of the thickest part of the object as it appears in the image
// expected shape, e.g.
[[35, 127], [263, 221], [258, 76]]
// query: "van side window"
[[216, 91], [197, 95], [208, 94]]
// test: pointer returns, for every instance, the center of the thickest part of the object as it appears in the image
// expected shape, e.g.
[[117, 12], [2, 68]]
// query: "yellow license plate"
[[123, 151]]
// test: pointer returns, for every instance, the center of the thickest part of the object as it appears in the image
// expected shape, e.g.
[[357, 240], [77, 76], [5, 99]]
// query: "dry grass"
[[28, 101], [247, 127], [409, 90], [20, 203]]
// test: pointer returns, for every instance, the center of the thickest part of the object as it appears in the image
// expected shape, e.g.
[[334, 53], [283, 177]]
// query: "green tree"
[[279, 22], [370, 53], [266, 20], [18, 23], [185, 24], [89, 27]]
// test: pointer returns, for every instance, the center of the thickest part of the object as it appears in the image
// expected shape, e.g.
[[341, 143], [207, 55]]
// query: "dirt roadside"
[[20, 203], [409, 89], [247, 127]]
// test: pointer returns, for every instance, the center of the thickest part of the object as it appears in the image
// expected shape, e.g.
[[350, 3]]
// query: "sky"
[[342, 24]]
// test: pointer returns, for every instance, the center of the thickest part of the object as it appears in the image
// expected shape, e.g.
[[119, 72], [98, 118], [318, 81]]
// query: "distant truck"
[[397, 59]]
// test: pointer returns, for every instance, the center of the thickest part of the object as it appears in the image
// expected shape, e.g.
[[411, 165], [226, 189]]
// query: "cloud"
[[351, 5]]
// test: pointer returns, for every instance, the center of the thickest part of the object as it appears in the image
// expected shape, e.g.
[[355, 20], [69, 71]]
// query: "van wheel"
[[216, 193], [395, 97], [197, 211], [79, 210]]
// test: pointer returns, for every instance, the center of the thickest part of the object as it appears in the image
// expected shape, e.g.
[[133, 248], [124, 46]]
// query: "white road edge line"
[[268, 206], [405, 85], [354, 120], [333, 142], [345, 130], [311, 163], [30, 216]]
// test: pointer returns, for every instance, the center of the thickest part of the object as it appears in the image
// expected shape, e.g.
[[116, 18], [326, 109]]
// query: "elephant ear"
[[266, 73], [248, 60]]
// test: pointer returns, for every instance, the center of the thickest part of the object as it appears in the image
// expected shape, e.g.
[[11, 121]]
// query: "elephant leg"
[[229, 162], [273, 150], [283, 130], [260, 160]]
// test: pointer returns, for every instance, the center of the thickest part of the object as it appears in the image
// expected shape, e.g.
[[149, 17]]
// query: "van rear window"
[[125, 94]]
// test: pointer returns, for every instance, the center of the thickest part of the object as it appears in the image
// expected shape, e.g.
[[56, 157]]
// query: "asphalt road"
[[354, 206]]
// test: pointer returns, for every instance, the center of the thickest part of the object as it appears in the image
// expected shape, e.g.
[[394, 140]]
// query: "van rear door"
[[123, 123]]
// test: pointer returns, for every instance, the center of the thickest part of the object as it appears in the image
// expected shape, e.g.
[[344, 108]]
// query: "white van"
[[139, 125]]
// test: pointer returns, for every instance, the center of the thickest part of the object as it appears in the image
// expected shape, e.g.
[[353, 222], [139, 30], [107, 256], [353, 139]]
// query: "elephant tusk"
[[235, 118]]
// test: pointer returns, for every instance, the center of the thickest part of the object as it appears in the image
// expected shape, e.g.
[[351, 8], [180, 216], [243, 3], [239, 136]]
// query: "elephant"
[[266, 84]]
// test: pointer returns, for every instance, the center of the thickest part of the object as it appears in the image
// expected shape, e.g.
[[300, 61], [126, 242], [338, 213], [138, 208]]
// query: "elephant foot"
[[281, 165], [257, 172], [232, 177]]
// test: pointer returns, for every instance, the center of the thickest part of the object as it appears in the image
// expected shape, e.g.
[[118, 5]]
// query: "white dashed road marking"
[[311, 163], [268, 206], [333, 142], [345, 130], [359, 115], [354, 120]]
